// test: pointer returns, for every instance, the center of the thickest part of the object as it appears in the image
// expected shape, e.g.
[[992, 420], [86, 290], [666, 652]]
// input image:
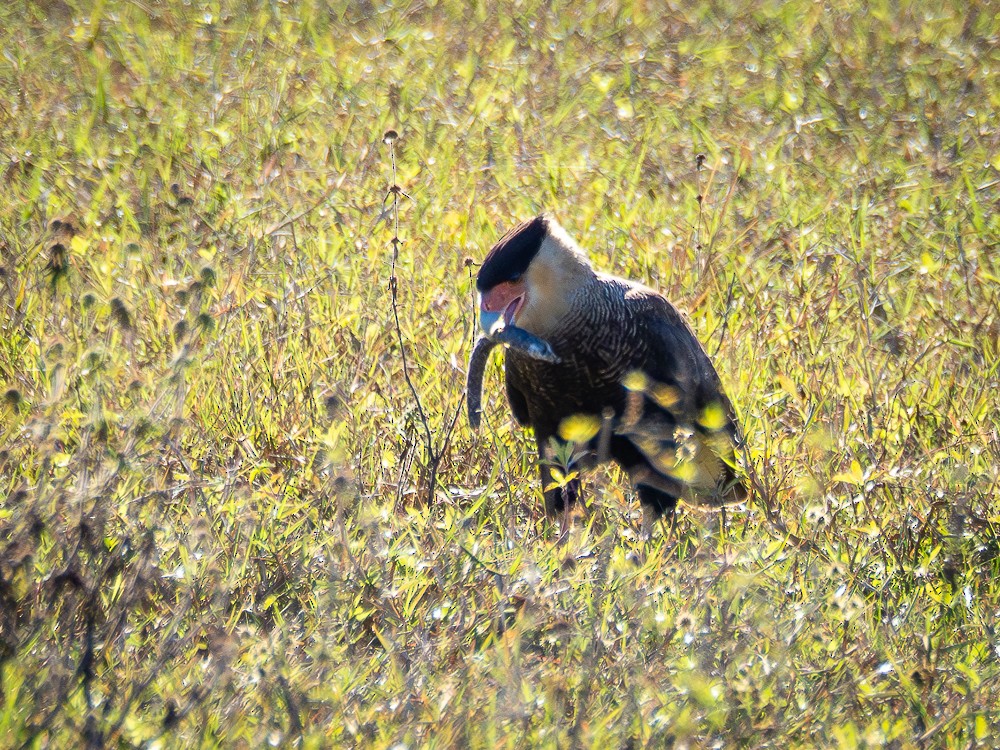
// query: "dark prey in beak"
[[514, 337]]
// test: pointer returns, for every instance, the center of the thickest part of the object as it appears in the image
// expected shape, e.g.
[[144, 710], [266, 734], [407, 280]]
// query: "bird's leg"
[[551, 492], [657, 492], [570, 496], [552, 464], [559, 502], [655, 505], [556, 459], [650, 517]]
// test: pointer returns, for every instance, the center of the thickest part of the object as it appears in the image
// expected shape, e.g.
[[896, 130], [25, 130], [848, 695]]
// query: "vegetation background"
[[219, 526]]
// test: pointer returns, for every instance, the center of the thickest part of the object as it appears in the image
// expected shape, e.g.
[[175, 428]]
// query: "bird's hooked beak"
[[499, 306]]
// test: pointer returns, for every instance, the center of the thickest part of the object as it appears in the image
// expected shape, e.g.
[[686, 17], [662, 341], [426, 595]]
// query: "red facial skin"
[[506, 297]]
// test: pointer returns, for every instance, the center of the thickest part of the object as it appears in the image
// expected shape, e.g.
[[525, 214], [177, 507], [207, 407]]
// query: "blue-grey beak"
[[490, 321]]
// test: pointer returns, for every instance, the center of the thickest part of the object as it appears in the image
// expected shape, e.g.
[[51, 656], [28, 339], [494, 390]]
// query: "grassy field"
[[227, 520]]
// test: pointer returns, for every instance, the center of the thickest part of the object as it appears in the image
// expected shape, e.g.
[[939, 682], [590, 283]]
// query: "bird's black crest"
[[513, 253]]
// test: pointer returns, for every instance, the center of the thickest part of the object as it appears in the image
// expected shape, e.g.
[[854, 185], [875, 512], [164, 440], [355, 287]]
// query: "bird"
[[629, 382]]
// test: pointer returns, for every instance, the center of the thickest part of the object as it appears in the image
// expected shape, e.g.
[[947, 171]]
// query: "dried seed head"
[[208, 276], [142, 428], [816, 514], [171, 718], [180, 329], [58, 262], [63, 226], [333, 405], [12, 397], [390, 137], [206, 322], [121, 314]]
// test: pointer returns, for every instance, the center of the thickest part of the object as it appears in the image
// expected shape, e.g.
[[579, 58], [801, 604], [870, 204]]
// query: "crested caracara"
[[610, 365]]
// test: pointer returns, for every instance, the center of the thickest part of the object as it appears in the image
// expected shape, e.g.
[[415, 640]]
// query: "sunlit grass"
[[214, 529]]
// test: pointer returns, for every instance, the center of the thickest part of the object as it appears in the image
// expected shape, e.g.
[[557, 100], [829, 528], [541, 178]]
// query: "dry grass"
[[215, 529]]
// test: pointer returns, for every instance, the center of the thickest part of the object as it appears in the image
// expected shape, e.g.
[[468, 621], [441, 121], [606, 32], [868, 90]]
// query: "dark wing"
[[672, 354]]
